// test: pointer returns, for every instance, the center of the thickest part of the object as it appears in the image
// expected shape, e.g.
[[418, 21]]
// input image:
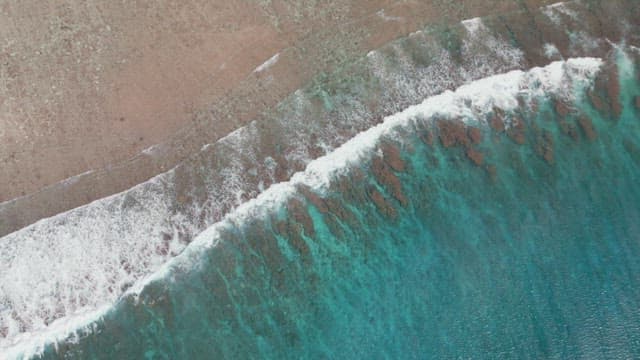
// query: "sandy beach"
[[96, 97]]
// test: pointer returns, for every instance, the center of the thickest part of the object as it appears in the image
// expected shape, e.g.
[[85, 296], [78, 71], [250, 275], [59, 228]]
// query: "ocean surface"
[[497, 221]]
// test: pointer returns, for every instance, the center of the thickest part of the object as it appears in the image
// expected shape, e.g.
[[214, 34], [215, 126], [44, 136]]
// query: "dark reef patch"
[[516, 130], [587, 127]]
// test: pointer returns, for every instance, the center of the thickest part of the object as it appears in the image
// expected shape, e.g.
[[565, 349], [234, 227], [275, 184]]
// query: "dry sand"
[[119, 91]]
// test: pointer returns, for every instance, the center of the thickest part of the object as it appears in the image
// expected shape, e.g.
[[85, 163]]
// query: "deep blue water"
[[538, 259]]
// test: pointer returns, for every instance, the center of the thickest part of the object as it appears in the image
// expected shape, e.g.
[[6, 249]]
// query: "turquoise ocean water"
[[519, 257]]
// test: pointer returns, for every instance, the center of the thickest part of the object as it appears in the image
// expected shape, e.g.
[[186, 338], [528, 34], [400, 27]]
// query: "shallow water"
[[533, 253]]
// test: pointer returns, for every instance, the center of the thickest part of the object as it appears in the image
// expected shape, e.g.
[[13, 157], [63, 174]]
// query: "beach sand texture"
[[98, 96]]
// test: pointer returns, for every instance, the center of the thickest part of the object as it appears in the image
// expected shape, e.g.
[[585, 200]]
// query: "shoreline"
[[323, 171], [222, 107]]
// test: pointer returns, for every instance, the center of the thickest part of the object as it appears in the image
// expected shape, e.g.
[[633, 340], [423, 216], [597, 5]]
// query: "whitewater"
[[469, 102]]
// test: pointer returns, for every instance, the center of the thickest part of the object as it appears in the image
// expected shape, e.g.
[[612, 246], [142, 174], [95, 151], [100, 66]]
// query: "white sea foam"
[[466, 102], [551, 51], [482, 54], [26, 345], [151, 150], [267, 64], [553, 12], [27, 288], [473, 25], [500, 54]]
